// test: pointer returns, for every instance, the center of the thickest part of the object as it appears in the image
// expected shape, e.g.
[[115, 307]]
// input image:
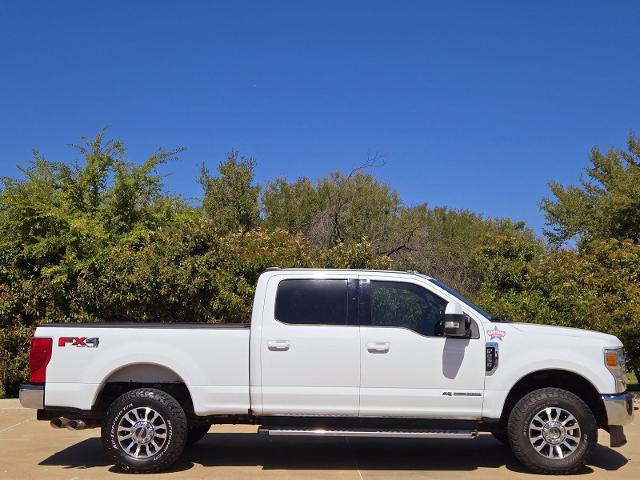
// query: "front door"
[[309, 347], [408, 368]]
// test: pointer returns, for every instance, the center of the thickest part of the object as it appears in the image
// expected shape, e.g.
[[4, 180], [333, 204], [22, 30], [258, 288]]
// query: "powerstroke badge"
[[92, 342], [496, 334]]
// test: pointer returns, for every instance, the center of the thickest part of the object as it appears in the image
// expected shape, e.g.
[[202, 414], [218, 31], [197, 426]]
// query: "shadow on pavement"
[[306, 453]]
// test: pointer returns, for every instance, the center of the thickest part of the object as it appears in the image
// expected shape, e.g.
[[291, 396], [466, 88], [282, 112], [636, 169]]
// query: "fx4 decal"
[[92, 342]]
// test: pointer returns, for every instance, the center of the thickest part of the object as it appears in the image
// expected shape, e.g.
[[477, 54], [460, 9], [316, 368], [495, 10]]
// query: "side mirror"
[[456, 323]]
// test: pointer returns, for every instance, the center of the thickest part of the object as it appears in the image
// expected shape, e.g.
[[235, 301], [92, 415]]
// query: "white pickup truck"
[[335, 352]]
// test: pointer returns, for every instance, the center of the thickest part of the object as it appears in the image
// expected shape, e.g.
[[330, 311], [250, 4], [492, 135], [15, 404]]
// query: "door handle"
[[378, 347], [278, 345]]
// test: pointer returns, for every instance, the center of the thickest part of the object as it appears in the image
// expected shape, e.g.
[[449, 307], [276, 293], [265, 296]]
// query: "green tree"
[[59, 218], [444, 241], [339, 208], [293, 207], [606, 203], [231, 199], [357, 207]]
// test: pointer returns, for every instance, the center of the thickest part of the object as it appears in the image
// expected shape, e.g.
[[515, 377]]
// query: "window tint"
[[312, 302], [397, 304]]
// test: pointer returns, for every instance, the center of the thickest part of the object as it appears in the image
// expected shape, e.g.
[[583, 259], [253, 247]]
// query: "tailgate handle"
[[378, 347], [278, 345]]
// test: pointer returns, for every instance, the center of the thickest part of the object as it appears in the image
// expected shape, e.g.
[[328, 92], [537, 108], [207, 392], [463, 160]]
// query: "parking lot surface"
[[32, 449]]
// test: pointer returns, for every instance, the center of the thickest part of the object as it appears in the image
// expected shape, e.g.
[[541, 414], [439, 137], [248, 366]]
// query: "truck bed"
[[211, 359]]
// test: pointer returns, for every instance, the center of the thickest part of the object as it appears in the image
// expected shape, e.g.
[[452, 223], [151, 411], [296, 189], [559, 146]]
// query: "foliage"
[[57, 220], [231, 200], [597, 288], [337, 209], [345, 209], [605, 205], [445, 243], [196, 275]]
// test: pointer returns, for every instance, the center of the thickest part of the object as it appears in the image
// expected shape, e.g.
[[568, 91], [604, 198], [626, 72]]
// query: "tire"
[[562, 450], [197, 432], [156, 426]]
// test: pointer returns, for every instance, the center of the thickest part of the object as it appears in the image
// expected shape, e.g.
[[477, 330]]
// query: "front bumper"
[[619, 410], [32, 396]]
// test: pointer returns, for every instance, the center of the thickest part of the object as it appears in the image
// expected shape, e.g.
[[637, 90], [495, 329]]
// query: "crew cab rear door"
[[309, 346], [408, 368]]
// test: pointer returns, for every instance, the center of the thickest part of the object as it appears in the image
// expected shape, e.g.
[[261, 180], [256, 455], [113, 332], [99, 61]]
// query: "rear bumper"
[[32, 396], [619, 408]]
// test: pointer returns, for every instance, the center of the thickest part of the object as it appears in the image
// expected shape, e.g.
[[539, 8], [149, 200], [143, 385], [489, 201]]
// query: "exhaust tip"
[[57, 422], [76, 425], [71, 425], [80, 425], [62, 422]]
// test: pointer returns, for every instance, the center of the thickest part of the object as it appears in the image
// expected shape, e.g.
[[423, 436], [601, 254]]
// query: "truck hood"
[[550, 330]]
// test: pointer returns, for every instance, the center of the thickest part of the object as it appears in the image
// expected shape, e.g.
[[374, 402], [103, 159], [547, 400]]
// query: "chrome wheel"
[[142, 432], [554, 433]]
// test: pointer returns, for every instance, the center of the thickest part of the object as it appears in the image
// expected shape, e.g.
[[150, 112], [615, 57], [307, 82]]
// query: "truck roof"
[[354, 270]]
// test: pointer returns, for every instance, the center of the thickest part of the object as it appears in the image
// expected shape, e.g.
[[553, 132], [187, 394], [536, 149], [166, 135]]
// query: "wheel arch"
[[141, 375]]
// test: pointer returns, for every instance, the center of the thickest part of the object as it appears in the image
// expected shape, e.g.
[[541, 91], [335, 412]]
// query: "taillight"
[[39, 357]]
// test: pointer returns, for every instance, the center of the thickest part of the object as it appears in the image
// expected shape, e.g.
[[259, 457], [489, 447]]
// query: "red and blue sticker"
[[496, 334]]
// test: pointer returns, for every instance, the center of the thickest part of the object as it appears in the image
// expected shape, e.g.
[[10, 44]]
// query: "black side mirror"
[[456, 323]]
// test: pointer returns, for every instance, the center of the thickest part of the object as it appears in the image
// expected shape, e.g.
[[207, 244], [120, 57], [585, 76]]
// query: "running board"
[[460, 434]]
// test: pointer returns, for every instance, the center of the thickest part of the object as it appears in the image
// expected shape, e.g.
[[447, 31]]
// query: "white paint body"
[[324, 370]]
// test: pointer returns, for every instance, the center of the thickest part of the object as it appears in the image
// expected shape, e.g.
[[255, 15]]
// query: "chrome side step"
[[460, 434]]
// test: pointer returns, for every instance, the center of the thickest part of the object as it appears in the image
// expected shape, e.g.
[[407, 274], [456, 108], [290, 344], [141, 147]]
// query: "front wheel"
[[144, 430], [552, 431]]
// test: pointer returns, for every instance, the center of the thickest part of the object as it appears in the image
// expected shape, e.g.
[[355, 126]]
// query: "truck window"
[[312, 302], [398, 304]]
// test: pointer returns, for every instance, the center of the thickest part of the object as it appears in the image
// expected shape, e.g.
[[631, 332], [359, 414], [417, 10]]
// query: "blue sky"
[[472, 104]]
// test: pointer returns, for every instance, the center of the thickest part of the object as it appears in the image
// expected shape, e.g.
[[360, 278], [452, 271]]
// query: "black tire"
[[197, 432], [520, 420], [174, 430]]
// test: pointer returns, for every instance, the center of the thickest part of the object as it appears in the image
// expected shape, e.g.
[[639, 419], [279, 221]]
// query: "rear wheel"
[[144, 430], [552, 431]]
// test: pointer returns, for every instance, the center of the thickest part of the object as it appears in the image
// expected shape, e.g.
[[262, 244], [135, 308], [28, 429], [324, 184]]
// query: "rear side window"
[[312, 302]]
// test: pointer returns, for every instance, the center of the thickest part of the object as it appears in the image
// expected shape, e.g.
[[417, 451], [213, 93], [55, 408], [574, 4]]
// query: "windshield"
[[470, 304]]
